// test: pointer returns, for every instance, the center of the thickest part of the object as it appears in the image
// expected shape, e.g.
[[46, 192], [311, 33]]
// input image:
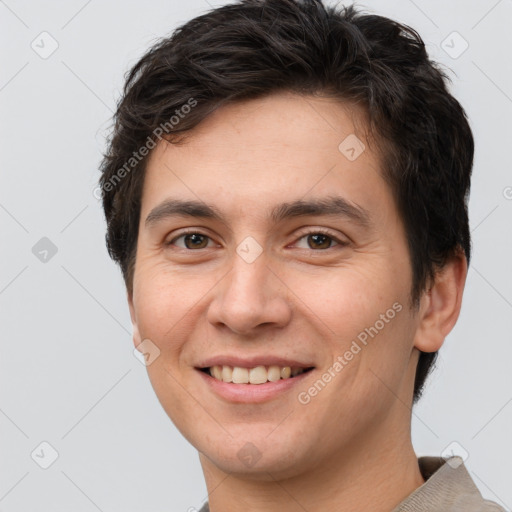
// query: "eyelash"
[[318, 231]]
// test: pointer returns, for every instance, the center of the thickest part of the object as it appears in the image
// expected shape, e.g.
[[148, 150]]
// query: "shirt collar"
[[448, 486]]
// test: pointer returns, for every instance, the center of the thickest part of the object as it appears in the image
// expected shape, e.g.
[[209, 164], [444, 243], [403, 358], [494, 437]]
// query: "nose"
[[251, 297]]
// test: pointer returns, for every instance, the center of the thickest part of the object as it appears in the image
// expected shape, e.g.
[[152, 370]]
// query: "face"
[[289, 254]]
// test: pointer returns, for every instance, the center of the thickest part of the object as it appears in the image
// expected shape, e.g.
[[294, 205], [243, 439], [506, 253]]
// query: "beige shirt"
[[448, 487]]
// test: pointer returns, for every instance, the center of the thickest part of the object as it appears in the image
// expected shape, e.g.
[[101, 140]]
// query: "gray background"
[[68, 373]]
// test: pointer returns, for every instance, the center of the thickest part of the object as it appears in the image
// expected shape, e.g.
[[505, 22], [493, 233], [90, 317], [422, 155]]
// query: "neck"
[[376, 474]]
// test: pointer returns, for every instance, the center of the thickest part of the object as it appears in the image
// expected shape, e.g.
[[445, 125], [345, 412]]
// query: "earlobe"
[[440, 305], [135, 328]]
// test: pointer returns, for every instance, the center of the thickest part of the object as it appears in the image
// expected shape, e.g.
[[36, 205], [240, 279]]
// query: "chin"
[[258, 457]]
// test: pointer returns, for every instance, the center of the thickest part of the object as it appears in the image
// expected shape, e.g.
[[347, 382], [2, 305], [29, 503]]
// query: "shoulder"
[[449, 487]]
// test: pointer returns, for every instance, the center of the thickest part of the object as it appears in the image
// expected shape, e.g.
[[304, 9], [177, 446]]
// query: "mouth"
[[255, 375]]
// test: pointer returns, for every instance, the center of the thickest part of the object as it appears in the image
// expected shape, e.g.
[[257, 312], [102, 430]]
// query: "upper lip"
[[252, 362]]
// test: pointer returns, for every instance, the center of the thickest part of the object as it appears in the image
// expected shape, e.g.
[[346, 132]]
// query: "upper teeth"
[[257, 375]]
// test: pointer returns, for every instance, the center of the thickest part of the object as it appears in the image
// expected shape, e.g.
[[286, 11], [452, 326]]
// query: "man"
[[286, 194]]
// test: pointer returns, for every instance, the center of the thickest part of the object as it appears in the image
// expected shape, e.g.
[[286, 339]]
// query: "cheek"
[[165, 303], [364, 319], [348, 300]]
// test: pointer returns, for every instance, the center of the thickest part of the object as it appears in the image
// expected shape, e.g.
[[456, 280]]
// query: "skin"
[[351, 443]]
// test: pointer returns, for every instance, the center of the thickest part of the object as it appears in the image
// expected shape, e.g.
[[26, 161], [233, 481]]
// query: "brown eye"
[[191, 241], [195, 241], [319, 241]]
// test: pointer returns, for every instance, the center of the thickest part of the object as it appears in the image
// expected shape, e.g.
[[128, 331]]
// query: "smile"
[[255, 375]]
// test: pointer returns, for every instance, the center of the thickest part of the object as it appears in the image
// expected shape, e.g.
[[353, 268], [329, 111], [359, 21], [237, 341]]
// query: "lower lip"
[[251, 393]]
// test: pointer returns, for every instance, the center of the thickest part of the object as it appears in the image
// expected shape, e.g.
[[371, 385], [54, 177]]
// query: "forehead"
[[268, 151]]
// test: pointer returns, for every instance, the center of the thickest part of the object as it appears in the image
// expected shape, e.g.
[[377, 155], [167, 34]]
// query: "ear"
[[440, 305], [135, 328]]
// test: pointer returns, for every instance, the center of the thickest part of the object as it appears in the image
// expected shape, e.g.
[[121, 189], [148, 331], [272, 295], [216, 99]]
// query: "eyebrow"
[[331, 206]]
